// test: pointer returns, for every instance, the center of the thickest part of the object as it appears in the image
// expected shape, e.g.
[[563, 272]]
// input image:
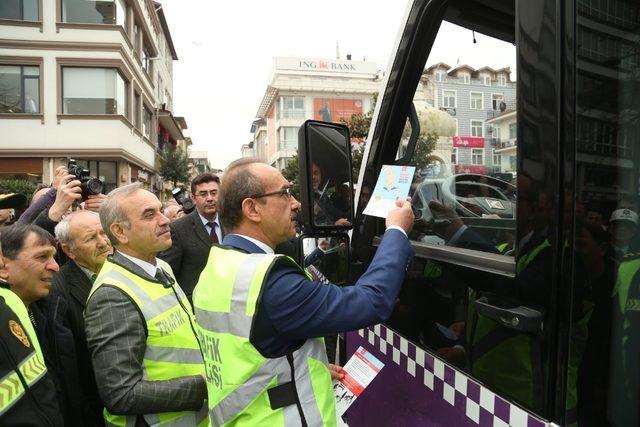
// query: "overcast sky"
[[226, 51]]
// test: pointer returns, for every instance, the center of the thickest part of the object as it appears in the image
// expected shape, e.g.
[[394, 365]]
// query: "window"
[[466, 78], [19, 89], [288, 138], [93, 91], [513, 130], [449, 98], [477, 156], [441, 75], [136, 110], [476, 128], [486, 79], [146, 122], [454, 156], [476, 99], [292, 107], [20, 10], [496, 100], [137, 38], [113, 12], [497, 161], [146, 62], [495, 132], [502, 80]]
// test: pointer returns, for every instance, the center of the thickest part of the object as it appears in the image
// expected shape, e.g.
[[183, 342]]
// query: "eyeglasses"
[[211, 193], [283, 192]]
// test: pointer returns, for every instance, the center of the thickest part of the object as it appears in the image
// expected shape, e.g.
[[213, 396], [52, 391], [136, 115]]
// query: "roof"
[[439, 65], [461, 67], [267, 100], [504, 115], [485, 68], [165, 30]]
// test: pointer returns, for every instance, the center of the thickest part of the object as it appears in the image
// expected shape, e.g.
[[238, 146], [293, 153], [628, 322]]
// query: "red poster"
[[481, 170], [468, 141], [334, 109]]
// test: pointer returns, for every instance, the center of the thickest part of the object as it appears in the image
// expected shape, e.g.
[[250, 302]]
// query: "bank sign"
[[468, 141], [325, 65]]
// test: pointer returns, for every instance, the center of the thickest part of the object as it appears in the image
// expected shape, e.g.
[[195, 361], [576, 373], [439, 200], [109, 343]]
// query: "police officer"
[[27, 392], [139, 323]]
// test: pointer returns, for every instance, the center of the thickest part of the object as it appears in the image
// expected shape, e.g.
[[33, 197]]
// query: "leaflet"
[[358, 372], [393, 184]]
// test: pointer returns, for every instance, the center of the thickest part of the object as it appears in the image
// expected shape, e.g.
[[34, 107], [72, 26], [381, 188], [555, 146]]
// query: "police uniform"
[[27, 393]]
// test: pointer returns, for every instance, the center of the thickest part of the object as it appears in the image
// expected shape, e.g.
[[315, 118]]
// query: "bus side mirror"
[[325, 257], [326, 182]]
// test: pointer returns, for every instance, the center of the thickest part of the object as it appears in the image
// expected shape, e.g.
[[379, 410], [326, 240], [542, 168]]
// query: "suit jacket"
[[74, 286], [293, 308], [116, 335], [189, 250]]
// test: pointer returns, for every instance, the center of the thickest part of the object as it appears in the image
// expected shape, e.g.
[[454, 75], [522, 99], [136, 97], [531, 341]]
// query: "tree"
[[291, 173], [174, 165], [20, 186]]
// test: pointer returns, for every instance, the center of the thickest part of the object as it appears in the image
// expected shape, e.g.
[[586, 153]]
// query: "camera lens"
[[94, 186]]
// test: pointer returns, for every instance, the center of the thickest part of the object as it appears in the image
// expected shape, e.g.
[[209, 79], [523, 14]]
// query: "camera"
[[89, 184], [183, 200]]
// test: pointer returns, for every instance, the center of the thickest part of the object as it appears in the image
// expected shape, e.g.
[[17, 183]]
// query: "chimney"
[[348, 57]]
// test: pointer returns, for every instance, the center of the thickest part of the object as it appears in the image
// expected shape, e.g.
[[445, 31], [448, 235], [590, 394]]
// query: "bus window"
[[466, 148], [603, 375]]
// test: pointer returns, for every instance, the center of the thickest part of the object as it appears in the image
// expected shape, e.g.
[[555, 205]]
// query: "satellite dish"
[[503, 106]]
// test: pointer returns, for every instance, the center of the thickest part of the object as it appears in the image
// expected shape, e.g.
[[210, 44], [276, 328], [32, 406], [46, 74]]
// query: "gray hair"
[[111, 211], [239, 183], [63, 228]]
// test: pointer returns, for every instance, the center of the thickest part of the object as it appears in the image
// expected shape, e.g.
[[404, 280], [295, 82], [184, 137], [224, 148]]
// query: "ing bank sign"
[[325, 66]]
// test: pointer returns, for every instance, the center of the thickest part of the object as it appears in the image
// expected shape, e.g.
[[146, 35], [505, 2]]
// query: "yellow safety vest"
[[172, 349], [241, 382], [31, 368]]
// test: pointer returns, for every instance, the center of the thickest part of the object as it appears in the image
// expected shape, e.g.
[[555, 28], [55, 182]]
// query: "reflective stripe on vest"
[[11, 388], [31, 368], [238, 376], [172, 350]]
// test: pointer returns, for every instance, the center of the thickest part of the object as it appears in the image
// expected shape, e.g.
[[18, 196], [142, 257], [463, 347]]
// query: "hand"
[[59, 175], [94, 201], [401, 217], [68, 192], [336, 372], [343, 221], [447, 221], [455, 355], [457, 328]]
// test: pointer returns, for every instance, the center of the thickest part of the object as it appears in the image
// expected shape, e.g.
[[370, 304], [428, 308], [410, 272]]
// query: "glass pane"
[[30, 10], [121, 12], [603, 379], [89, 12], [93, 91], [32, 95], [146, 123], [136, 111], [10, 89], [22, 10], [107, 174]]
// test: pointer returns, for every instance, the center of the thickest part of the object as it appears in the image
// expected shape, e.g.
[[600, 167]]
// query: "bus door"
[[473, 99]]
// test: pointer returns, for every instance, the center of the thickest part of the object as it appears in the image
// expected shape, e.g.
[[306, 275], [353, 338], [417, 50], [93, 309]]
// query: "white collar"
[[256, 242], [206, 222], [148, 268]]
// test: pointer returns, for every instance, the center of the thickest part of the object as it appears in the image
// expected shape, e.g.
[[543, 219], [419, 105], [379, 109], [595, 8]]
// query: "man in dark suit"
[[193, 235], [83, 240]]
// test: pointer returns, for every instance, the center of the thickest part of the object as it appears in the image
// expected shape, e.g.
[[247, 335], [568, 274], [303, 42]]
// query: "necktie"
[[212, 235]]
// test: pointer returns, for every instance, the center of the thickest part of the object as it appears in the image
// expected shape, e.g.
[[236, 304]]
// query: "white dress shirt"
[[148, 268], [205, 222]]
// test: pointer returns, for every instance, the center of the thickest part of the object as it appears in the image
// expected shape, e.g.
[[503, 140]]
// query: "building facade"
[[473, 97], [91, 81], [302, 88]]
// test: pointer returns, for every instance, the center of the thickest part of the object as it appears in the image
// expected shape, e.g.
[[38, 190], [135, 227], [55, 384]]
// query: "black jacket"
[[39, 405], [189, 250], [74, 287], [59, 348]]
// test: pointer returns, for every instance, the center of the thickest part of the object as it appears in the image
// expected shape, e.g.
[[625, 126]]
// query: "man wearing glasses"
[[259, 316], [193, 234]]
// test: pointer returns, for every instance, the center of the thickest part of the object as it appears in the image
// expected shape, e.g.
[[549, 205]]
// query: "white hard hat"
[[624, 215]]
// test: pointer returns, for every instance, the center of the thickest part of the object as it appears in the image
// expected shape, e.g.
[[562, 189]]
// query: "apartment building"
[[91, 80], [305, 88]]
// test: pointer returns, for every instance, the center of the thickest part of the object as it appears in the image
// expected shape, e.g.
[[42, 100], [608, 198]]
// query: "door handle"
[[521, 319]]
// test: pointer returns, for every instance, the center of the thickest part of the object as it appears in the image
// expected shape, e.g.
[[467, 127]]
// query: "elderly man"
[[258, 314], [139, 323], [26, 268], [83, 240]]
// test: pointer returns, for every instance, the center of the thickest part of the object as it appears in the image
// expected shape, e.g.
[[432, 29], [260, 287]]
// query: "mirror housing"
[[325, 257], [326, 181]]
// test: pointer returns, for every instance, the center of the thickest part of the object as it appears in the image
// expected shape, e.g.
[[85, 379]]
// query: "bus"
[[521, 306]]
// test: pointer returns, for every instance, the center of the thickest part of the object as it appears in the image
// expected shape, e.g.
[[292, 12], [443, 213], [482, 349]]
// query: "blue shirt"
[[293, 308]]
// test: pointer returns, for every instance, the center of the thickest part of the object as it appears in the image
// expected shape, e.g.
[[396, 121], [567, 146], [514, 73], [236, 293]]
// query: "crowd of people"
[[121, 311]]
